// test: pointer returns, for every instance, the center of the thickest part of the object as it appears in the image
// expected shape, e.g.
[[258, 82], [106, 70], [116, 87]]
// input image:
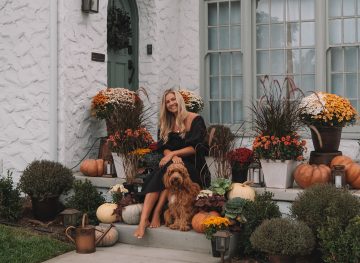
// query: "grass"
[[19, 245]]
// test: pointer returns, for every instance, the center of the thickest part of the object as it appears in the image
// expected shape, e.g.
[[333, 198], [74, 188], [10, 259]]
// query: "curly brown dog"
[[182, 195]]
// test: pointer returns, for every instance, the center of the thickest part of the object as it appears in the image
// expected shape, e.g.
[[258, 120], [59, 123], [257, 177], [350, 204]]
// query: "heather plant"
[[207, 201], [10, 200]]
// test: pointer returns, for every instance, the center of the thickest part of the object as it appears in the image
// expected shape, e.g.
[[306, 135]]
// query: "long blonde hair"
[[167, 119]]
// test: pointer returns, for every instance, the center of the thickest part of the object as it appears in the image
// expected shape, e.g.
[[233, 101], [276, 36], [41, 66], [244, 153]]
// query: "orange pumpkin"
[[91, 167], [353, 175], [309, 174], [199, 218], [341, 160]]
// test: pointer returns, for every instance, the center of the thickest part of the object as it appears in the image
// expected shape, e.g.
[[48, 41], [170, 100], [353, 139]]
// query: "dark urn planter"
[[330, 137], [280, 259], [239, 173], [45, 210]]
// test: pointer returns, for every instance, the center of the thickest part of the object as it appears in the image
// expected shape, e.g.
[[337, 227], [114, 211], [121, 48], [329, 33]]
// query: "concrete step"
[[164, 237]]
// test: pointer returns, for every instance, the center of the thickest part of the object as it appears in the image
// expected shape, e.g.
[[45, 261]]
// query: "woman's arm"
[[169, 155]]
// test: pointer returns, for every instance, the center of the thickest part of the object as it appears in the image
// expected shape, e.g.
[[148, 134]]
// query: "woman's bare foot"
[[140, 231], [155, 221]]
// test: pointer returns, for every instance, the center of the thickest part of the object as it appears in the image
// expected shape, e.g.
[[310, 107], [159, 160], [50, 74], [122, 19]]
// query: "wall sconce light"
[[90, 6], [222, 239]]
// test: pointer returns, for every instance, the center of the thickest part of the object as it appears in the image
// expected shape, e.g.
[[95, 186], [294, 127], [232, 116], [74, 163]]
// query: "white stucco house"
[[217, 48]]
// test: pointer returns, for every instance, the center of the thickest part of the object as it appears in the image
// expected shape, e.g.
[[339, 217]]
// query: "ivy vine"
[[118, 28]]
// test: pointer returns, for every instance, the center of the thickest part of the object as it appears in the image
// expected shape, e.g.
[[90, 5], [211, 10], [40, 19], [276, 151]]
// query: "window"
[[314, 41]]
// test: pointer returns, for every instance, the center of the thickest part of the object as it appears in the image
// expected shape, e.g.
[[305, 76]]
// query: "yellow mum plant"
[[213, 224]]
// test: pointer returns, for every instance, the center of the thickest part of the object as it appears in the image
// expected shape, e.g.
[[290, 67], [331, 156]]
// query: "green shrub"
[[315, 204], [45, 179], [86, 199], [10, 201], [281, 236], [340, 244], [255, 213]]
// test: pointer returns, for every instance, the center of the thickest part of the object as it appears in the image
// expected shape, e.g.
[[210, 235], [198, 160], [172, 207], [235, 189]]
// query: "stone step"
[[164, 237]]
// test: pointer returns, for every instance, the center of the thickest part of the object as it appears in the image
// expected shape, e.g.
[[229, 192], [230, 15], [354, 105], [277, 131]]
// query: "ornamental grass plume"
[[212, 224], [326, 109]]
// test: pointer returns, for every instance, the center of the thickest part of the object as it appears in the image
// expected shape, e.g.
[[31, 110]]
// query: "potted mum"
[[193, 103], [326, 114], [240, 159], [277, 120]]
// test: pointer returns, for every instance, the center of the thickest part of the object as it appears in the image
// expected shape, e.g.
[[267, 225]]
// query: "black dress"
[[195, 164]]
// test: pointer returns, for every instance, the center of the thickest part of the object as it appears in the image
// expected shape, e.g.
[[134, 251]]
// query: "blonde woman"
[[182, 136]]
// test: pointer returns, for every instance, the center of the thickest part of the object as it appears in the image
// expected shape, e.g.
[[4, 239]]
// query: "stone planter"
[[278, 174]]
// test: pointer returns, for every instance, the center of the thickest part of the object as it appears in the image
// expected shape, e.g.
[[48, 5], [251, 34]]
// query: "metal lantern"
[[90, 6], [222, 239], [109, 168], [70, 217], [256, 175], [338, 176]]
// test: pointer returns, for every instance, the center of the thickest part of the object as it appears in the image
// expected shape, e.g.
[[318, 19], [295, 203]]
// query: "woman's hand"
[[177, 159], [165, 160]]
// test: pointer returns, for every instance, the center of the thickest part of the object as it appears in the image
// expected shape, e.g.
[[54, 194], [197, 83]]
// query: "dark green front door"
[[122, 66]]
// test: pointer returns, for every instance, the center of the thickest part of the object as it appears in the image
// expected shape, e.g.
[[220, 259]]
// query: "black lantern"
[[90, 6], [256, 175], [338, 176], [70, 217], [222, 239]]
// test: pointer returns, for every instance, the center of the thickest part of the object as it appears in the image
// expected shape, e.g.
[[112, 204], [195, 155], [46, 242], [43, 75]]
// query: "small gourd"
[[91, 167], [199, 218], [110, 238], [306, 175], [105, 213], [341, 160], [353, 175], [243, 190], [131, 214]]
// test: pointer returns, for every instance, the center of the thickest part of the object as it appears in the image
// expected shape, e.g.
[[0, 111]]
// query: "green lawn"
[[19, 245]]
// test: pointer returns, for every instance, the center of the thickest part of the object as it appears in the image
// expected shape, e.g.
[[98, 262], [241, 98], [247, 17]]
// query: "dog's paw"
[[174, 226], [184, 228]]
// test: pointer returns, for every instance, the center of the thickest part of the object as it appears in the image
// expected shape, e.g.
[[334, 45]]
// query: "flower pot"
[[239, 173], [278, 174], [214, 252], [327, 139], [45, 210], [218, 169], [280, 259]]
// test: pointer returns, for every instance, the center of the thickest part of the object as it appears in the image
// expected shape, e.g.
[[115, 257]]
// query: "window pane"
[[237, 112], [235, 33], [293, 34], [225, 61], [277, 62], [214, 112], [358, 7], [308, 60], [212, 41], [277, 35], [262, 12], [334, 8], [226, 88], [224, 13], [237, 87], [307, 83], [308, 34], [212, 14], [307, 9], [337, 84], [237, 63], [350, 59], [262, 62], [226, 112], [354, 104], [214, 64], [277, 10], [335, 31], [214, 87], [293, 10], [293, 61], [349, 7], [262, 36], [358, 28], [336, 60], [235, 16], [224, 37], [351, 85], [349, 31]]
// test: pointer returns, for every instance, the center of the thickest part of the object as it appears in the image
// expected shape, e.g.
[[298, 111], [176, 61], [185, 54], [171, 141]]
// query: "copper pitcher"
[[85, 236]]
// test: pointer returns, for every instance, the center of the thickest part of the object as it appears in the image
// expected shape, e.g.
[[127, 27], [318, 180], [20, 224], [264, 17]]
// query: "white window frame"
[[248, 49]]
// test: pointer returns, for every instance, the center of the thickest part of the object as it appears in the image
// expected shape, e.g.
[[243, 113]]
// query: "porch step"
[[164, 237]]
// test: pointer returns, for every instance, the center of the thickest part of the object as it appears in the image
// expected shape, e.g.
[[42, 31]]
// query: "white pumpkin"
[[243, 190], [131, 214], [111, 237], [105, 213]]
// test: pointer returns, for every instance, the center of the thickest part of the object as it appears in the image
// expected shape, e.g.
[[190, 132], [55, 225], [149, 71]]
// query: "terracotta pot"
[[280, 259], [327, 139]]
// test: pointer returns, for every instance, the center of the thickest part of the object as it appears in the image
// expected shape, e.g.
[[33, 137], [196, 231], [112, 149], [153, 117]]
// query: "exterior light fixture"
[[222, 239], [70, 216], [90, 6]]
